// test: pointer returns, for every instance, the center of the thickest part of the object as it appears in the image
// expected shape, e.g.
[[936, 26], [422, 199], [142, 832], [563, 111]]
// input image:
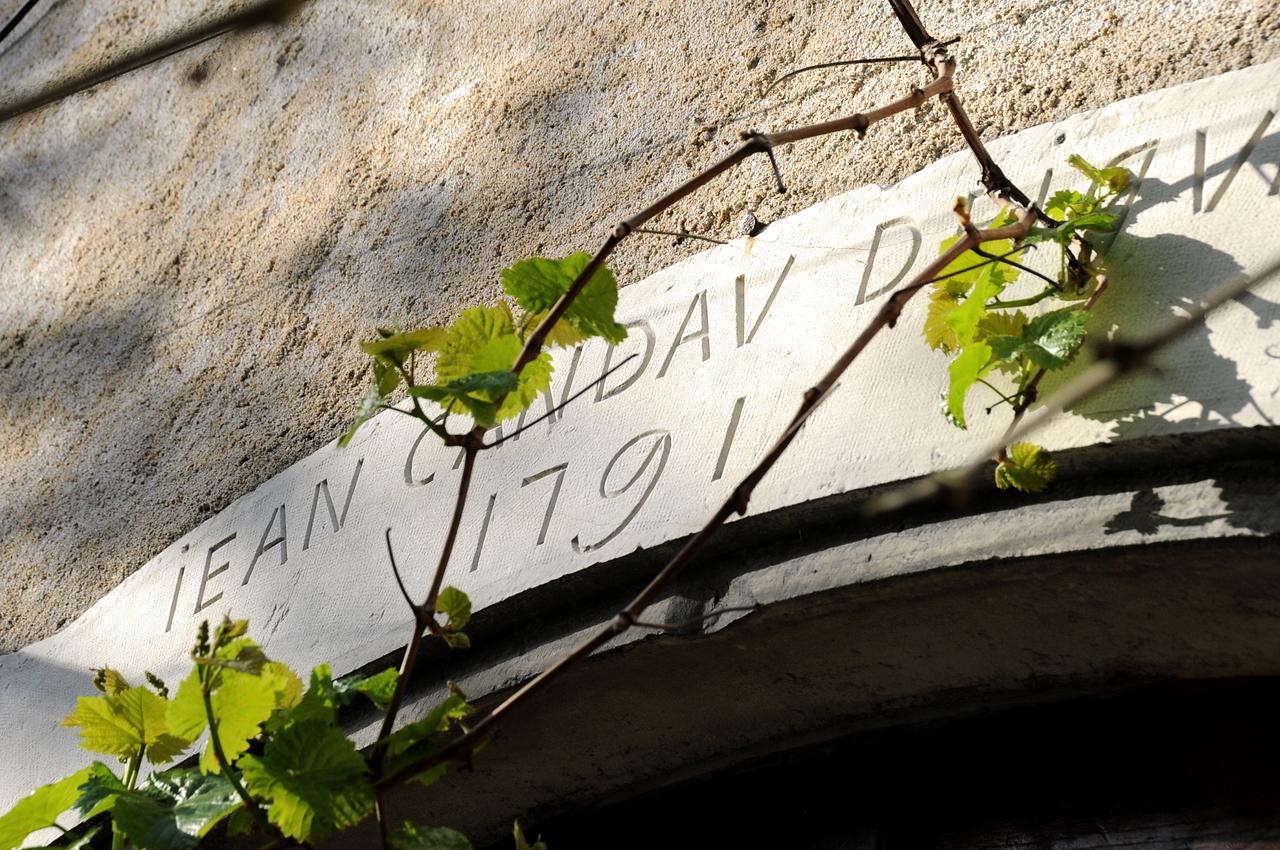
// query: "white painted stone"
[[638, 466]]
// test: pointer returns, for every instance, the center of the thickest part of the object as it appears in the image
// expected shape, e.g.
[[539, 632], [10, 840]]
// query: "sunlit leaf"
[[1049, 341], [120, 724], [40, 809], [537, 283], [973, 364], [313, 780], [1028, 468], [395, 347]]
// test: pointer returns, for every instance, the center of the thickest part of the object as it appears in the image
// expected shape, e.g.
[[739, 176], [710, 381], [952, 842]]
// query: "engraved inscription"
[[729, 434], [703, 332], [649, 341], [201, 603], [901, 222], [264, 546], [558, 471], [740, 303], [661, 449], [336, 520]]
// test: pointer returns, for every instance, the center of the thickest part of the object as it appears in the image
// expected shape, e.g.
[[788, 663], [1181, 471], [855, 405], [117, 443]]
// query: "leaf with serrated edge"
[[40, 809], [120, 724], [455, 605], [475, 328], [241, 703], [174, 809], [396, 347], [1029, 468], [379, 688], [313, 779], [1049, 341], [965, 318], [537, 283]]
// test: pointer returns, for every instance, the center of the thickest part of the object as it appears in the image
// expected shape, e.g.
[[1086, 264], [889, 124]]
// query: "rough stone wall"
[[190, 253]]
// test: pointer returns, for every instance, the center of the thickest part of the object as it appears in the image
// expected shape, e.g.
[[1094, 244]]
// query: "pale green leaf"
[[965, 319], [313, 780], [40, 809], [395, 347], [456, 606], [241, 703], [474, 329], [1028, 468], [973, 363], [537, 283], [120, 724]]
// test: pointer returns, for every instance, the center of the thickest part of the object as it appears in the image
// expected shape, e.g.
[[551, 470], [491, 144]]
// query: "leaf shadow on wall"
[[1151, 279]]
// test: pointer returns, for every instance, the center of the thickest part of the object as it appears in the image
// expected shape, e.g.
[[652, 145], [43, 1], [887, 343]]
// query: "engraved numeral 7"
[[555, 495]]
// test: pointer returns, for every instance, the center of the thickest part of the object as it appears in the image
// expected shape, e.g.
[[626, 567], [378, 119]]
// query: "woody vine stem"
[[942, 67], [278, 758]]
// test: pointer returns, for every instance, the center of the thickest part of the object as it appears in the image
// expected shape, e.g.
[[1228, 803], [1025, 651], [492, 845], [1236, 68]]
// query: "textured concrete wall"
[[190, 253]]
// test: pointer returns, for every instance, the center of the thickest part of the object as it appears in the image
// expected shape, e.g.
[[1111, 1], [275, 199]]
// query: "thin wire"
[[266, 12], [845, 62], [553, 411], [683, 234], [17, 19]]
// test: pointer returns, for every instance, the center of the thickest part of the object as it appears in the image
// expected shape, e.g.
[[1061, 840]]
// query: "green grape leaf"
[[456, 606], [120, 724], [378, 688], [174, 810], [456, 640], [1003, 323], [522, 843], [1069, 203], [937, 333], [1028, 468], [1049, 341], [1114, 179], [965, 319], [537, 283], [40, 809], [414, 837], [366, 409], [313, 779], [99, 790], [960, 274], [241, 703], [973, 364], [423, 738], [477, 392], [474, 329], [393, 348], [385, 377]]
